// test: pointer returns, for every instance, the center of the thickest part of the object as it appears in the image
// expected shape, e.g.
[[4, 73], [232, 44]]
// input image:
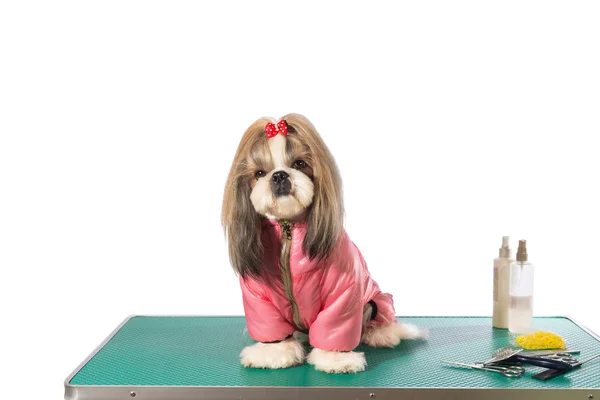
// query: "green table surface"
[[204, 352]]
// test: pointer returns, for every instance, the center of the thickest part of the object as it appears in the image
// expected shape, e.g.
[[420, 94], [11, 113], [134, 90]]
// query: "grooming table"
[[184, 358]]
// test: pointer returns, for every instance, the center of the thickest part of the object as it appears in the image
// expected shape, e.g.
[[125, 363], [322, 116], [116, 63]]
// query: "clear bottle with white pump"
[[520, 317], [501, 285]]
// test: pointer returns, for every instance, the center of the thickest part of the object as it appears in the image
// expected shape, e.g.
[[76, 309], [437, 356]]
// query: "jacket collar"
[[297, 222]]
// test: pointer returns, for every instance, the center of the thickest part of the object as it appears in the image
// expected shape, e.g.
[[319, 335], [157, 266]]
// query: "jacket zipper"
[[286, 272]]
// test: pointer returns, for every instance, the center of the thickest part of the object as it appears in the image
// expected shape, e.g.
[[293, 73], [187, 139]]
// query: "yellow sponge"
[[541, 340]]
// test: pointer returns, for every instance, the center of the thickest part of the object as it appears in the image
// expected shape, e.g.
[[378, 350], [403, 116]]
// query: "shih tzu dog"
[[299, 271]]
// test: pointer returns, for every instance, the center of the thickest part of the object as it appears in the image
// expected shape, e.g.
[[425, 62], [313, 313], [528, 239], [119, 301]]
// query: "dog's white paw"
[[390, 335], [337, 362], [273, 355]]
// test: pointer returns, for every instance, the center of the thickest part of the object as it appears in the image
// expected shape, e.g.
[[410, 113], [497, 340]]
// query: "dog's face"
[[282, 171], [281, 177]]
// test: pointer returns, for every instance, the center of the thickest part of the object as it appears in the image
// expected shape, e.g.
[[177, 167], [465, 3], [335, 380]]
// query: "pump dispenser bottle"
[[501, 285], [520, 315]]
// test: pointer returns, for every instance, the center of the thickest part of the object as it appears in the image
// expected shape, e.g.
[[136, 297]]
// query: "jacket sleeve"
[[338, 327], [265, 322]]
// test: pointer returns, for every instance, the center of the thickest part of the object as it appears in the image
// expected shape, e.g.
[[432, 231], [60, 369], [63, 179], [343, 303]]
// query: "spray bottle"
[[520, 316], [501, 285]]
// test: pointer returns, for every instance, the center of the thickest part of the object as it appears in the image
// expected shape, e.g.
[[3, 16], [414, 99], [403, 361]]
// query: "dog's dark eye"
[[299, 164], [259, 174]]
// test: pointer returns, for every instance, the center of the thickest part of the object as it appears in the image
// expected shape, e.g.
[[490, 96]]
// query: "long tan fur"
[[238, 217], [325, 217]]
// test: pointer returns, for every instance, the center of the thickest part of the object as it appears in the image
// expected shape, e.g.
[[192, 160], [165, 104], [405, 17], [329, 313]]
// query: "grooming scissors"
[[509, 371]]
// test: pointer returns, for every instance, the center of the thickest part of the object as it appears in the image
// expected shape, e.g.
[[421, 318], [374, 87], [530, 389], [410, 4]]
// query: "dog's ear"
[[241, 222], [242, 226], [326, 214], [324, 222]]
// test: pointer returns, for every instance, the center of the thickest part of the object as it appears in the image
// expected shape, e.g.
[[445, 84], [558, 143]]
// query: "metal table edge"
[[327, 393], [95, 351], [71, 389]]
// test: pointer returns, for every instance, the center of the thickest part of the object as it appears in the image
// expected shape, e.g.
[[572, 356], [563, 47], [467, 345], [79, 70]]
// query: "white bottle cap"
[[505, 249]]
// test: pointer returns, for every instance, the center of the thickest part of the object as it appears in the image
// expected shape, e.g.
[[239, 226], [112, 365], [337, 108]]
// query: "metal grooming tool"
[[508, 371], [511, 354], [551, 373], [541, 353]]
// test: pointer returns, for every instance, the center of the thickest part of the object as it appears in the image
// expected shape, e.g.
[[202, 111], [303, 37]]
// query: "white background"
[[453, 123]]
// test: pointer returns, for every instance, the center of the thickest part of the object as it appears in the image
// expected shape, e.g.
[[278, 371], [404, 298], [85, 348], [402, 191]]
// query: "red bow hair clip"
[[272, 130]]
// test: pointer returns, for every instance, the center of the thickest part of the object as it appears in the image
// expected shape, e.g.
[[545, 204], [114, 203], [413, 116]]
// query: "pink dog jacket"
[[325, 298]]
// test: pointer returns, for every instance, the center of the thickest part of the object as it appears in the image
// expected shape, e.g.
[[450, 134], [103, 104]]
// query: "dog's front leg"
[[276, 347], [284, 354], [337, 331], [337, 362]]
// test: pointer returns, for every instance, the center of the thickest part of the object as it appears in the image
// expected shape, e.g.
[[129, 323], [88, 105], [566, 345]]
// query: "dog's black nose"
[[279, 177], [280, 184]]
